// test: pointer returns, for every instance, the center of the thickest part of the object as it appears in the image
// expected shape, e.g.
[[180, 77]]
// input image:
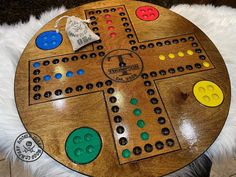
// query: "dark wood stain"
[[53, 119]]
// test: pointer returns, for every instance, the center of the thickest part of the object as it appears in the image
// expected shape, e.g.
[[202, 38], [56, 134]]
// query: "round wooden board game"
[[146, 100]]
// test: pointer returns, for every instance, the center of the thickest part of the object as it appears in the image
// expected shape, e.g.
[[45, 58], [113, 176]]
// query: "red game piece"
[[111, 28], [109, 22], [113, 35], [107, 16], [120, 9]]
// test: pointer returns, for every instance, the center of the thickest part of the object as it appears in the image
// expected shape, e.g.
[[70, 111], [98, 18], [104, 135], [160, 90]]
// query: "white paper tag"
[[78, 32]]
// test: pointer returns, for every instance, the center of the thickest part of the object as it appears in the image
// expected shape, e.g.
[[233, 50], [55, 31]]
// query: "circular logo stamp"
[[28, 147], [122, 65]]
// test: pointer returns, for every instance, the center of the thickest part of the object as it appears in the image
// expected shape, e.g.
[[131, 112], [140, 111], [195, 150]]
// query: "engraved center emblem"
[[122, 65]]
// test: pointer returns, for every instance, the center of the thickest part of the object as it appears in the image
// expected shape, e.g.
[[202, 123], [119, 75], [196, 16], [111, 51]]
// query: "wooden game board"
[[147, 99]]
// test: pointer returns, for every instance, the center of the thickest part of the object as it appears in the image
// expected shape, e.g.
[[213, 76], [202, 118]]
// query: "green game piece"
[[134, 101], [137, 112], [77, 139], [126, 153], [144, 136], [78, 152], [140, 123], [83, 145]]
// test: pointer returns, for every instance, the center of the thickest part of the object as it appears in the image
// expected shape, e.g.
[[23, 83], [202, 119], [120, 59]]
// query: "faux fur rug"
[[218, 23]]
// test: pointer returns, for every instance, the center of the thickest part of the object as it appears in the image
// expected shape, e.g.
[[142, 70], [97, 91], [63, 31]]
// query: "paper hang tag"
[[78, 32]]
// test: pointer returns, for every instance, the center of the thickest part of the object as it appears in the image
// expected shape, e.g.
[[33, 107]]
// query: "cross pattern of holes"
[[135, 45], [129, 30]]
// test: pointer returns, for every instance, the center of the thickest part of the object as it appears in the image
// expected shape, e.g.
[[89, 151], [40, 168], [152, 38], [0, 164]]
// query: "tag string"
[[58, 21], [66, 16]]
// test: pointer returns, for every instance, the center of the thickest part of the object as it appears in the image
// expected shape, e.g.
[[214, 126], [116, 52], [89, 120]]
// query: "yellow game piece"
[[215, 96], [208, 93], [162, 57], [201, 90], [181, 54], [171, 55], [210, 88], [190, 52], [206, 64], [206, 98]]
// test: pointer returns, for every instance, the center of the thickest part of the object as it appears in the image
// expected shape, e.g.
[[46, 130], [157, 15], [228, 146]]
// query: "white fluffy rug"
[[218, 23]]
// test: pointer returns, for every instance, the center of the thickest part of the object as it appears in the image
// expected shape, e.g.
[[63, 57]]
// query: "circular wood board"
[[145, 67]]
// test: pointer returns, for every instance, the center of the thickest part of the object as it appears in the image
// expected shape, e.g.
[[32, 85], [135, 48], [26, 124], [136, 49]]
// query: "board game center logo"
[[122, 65], [28, 147]]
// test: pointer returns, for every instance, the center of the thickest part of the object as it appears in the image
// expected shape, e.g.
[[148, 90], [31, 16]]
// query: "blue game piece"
[[36, 65], [80, 72], [47, 78], [69, 74], [48, 40], [58, 76]]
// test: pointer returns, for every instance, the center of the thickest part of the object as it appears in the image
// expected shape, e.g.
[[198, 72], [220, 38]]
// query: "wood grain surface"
[[128, 65]]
